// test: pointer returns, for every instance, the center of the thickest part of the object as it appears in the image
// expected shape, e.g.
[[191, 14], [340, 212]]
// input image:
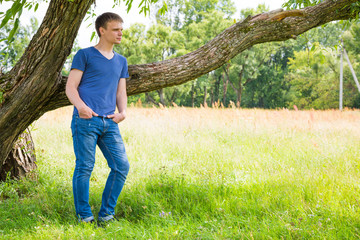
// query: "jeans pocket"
[[84, 118]]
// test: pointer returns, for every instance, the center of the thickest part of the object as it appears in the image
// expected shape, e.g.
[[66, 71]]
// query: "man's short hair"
[[103, 19]]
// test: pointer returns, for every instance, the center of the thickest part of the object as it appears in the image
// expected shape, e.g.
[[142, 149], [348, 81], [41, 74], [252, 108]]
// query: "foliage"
[[11, 51], [182, 13], [13, 14], [268, 89], [293, 4], [133, 44], [309, 77], [313, 77], [15, 11]]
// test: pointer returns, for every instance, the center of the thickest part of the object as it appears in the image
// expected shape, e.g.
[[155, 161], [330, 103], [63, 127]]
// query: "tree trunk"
[[192, 95], [240, 87], [226, 82], [173, 95], [205, 95], [35, 85], [217, 89], [161, 95], [150, 99], [21, 161], [212, 97], [226, 70], [238, 95]]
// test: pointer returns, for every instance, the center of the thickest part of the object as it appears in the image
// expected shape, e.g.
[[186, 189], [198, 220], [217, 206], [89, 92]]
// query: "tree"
[[246, 66], [313, 77], [351, 43], [182, 13], [35, 84], [269, 89], [192, 25], [11, 51]]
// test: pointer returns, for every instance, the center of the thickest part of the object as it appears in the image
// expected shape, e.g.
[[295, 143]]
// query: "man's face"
[[113, 32]]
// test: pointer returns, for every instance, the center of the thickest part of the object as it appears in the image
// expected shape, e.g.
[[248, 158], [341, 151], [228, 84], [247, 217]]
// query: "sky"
[[133, 16]]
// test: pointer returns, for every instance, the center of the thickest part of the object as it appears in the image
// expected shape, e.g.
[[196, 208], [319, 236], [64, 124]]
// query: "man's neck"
[[104, 46]]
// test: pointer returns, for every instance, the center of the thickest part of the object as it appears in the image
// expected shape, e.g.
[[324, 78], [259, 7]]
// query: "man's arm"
[[72, 93], [121, 102]]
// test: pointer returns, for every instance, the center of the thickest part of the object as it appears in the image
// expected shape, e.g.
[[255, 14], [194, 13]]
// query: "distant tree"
[[269, 89], [352, 45], [313, 79], [12, 49]]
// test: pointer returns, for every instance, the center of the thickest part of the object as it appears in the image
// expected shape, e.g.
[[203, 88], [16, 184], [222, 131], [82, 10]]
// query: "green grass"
[[216, 174]]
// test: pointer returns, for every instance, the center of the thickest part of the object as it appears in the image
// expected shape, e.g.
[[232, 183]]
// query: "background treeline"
[[302, 72]]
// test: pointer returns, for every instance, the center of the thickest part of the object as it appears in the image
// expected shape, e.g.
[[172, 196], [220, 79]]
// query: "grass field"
[[201, 174]]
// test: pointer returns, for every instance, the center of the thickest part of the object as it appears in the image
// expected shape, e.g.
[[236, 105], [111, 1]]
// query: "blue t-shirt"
[[100, 79]]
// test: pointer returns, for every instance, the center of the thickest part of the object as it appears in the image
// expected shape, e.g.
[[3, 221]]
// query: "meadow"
[[201, 173]]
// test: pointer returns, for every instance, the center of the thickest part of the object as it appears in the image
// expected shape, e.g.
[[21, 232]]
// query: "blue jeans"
[[105, 133]]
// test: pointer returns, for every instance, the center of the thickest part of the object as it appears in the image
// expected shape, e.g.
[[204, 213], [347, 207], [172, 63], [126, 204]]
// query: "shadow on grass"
[[28, 203]]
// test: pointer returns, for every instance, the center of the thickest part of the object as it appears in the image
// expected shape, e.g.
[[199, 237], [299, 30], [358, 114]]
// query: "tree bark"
[[226, 82], [193, 95], [150, 99], [21, 161], [161, 96], [205, 95], [239, 95], [217, 88], [35, 85], [226, 70]]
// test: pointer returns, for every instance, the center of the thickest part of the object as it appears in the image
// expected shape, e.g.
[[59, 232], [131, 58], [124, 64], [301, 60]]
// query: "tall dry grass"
[[207, 118]]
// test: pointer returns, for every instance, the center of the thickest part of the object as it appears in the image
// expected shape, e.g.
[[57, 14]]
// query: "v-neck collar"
[[109, 59]]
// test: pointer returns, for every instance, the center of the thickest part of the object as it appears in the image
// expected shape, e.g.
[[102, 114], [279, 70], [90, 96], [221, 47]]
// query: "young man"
[[95, 86]]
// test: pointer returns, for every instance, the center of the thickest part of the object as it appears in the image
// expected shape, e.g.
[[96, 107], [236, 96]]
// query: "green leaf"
[[141, 3], [13, 31], [19, 7], [313, 48], [36, 7], [92, 36], [6, 18], [163, 9], [129, 6]]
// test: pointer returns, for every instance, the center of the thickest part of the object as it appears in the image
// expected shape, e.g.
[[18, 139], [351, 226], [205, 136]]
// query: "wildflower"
[[164, 214]]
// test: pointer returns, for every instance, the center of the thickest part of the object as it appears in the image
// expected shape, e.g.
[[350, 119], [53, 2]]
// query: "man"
[[95, 86]]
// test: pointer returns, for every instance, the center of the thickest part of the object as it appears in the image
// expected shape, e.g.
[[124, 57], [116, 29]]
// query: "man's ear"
[[101, 30]]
